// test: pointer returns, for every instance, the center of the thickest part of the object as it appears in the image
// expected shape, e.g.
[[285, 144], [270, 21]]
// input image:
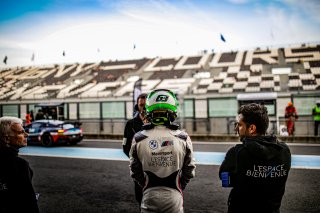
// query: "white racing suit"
[[162, 162]]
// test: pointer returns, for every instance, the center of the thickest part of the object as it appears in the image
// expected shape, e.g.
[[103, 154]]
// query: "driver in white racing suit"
[[161, 156]]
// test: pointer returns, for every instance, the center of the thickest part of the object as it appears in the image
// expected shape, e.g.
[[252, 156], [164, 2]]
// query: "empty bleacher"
[[167, 74], [225, 73], [113, 70]]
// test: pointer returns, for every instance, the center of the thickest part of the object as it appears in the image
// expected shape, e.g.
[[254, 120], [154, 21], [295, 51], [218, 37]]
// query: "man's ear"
[[252, 130]]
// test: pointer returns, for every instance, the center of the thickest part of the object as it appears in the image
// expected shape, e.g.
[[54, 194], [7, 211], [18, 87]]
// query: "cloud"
[[310, 8], [6, 43], [289, 27], [159, 28]]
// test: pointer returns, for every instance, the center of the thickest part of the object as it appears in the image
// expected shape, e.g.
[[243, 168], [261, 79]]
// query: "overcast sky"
[[95, 30]]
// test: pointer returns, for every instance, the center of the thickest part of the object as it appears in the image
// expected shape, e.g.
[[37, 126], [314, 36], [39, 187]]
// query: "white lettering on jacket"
[[267, 171]]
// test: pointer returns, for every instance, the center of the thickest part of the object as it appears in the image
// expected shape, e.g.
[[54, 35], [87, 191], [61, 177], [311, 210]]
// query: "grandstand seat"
[[277, 88], [233, 69], [223, 75], [225, 90], [315, 70], [167, 74], [306, 76], [293, 76], [205, 81], [267, 84], [192, 62], [252, 89], [229, 80], [267, 77], [214, 87], [243, 75], [179, 86], [226, 59], [256, 68], [231, 72], [161, 64], [309, 87], [240, 85], [254, 79], [200, 90]]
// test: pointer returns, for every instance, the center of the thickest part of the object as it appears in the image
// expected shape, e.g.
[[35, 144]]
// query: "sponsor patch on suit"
[[167, 143], [153, 144]]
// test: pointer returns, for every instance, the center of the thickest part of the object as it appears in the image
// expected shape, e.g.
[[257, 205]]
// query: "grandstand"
[[208, 87]]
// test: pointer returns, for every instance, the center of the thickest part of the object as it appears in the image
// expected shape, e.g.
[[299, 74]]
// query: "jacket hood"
[[262, 147]]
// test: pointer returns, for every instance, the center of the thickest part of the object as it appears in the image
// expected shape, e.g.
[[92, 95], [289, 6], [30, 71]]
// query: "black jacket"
[[258, 170], [132, 127], [16, 190]]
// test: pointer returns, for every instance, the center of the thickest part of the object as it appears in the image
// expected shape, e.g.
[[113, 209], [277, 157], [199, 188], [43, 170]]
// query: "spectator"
[[161, 156], [132, 127], [291, 116], [258, 168], [39, 115], [28, 118], [16, 190], [31, 115], [316, 117], [54, 114]]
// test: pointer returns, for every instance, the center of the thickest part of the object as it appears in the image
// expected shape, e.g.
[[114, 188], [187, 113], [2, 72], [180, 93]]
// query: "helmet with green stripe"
[[161, 107]]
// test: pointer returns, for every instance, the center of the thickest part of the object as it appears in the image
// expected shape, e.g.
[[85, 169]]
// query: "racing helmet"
[[161, 107]]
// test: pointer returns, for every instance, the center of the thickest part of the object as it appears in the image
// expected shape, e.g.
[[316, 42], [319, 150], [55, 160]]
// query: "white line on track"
[[202, 142]]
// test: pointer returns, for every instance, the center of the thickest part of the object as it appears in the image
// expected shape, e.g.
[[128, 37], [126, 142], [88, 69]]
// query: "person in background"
[[16, 189], [161, 156], [40, 115], [316, 117], [31, 115], [258, 168], [133, 126], [28, 118], [54, 114], [291, 116]]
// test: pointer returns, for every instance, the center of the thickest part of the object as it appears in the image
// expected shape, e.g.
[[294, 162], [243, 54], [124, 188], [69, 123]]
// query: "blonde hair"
[[5, 128]]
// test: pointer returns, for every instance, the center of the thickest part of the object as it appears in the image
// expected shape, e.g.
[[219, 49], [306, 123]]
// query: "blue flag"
[[222, 38], [5, 60]]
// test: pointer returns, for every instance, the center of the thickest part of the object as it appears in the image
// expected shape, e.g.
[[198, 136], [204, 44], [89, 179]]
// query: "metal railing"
[[207, 126]]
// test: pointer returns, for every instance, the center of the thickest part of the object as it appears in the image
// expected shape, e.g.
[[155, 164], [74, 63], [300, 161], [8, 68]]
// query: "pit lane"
[[68, 184]]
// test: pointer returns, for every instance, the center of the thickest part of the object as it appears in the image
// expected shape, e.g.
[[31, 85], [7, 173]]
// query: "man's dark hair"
[[142, 95], [255, 114]]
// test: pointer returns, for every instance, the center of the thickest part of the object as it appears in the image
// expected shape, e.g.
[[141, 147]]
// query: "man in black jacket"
[[16, 190], [133, 126], [258, 168]]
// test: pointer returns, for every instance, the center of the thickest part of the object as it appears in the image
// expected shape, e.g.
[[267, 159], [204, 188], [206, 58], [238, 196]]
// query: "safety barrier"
[[206, 129]]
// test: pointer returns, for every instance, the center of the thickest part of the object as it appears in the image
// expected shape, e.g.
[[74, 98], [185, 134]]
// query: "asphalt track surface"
[[90, 185]]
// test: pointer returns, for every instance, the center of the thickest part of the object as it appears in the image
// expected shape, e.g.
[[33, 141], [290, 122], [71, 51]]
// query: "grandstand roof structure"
[[281, 70]]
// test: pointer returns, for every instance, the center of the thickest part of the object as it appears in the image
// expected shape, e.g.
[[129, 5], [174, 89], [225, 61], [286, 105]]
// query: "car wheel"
[[46, 139]]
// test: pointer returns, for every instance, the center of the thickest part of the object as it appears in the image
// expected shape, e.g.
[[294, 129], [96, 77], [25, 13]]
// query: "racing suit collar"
[[160, 127]]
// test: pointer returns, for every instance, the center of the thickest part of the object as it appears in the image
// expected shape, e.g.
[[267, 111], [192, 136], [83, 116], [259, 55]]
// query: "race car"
[[51, 132]]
